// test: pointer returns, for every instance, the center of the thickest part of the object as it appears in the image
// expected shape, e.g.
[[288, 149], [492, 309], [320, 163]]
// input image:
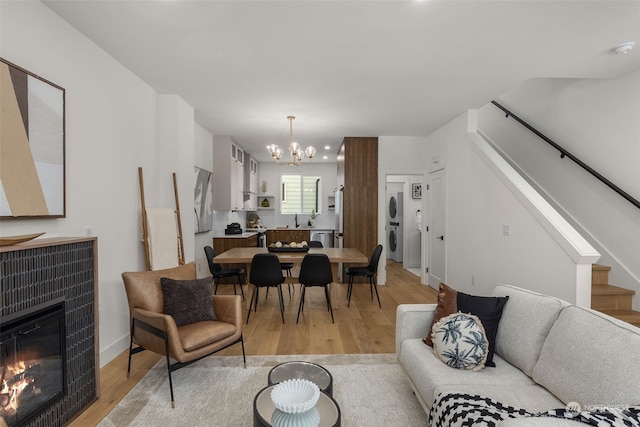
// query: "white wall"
[[111, 129], [596, 120], [478, 205]]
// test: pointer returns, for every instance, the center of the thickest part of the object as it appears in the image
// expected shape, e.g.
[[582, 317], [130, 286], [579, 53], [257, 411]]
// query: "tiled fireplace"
[[48, 331]]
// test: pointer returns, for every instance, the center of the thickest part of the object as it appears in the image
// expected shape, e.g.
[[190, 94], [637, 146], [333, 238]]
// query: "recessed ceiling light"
[[327, 147], [623, 48], [325, 157]]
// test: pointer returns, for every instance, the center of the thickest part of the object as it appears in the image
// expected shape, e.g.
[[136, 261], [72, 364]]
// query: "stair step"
[[609, 297], [629, 316], [600, 274]]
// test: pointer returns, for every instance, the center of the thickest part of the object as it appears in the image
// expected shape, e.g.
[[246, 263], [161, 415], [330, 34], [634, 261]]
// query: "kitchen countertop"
[[244, 235], [262, 230]]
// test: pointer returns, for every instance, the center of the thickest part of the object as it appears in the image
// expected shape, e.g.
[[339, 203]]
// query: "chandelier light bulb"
[[310, 152], [278, 153], [295, 148]]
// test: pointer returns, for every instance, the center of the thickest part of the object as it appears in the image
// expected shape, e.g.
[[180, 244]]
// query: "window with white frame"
[[300, 194]]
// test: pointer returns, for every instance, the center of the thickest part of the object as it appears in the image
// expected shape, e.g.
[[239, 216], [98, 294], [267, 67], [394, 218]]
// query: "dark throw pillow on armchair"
[[188, 301], [488, 310]]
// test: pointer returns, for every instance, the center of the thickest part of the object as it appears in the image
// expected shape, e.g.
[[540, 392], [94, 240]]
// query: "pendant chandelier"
[[296, 153]]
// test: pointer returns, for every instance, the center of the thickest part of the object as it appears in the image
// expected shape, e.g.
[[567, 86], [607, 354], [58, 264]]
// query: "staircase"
[[612, 300]]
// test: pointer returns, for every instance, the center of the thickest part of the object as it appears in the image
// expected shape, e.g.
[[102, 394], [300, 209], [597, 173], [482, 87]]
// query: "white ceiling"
[[351, 68]]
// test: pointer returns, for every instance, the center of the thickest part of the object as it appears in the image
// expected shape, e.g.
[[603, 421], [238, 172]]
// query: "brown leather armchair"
[[153, 330]]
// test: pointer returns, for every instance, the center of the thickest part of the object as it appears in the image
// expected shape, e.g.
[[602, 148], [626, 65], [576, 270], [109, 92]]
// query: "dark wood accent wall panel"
[[45, 269], [289, 235], [358, 173]]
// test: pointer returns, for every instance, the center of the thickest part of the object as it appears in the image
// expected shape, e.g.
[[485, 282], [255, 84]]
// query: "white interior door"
[[437, 239]]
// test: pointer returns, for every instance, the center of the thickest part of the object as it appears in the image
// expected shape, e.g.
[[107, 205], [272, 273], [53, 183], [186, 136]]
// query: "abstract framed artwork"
[[32, 145], [203, 200], [416, 191]]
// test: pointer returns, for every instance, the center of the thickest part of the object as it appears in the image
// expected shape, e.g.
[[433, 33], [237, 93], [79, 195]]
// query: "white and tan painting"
[[32, 174]]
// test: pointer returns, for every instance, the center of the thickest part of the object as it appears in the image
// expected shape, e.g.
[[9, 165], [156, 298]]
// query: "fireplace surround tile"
[[36, 272]]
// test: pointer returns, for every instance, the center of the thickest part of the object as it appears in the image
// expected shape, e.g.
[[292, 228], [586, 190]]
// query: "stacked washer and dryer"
[[395, 226]]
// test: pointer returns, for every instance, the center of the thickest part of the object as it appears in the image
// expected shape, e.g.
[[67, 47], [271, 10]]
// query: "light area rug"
[[370, 389]]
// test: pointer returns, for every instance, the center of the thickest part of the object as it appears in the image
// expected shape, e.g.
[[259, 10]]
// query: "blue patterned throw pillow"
[[460, 341]]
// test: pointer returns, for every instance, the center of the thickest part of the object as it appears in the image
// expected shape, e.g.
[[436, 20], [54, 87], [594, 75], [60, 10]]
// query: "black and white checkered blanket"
[[460, 409]]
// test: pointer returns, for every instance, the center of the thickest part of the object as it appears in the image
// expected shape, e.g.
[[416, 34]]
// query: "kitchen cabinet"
[[222, 244], [228, 174], [288, 235], [358, 177], [250, 199]]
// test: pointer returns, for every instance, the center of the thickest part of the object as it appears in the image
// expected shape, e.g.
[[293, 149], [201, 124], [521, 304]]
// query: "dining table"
[[336, 256]]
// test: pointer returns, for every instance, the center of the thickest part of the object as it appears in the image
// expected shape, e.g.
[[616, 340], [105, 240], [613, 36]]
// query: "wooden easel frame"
[[145, 230]]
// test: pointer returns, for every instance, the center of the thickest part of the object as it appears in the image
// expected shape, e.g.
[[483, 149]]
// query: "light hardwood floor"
[[361, 328]]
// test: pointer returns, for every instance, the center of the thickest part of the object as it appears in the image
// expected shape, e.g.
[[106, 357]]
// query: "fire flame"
[[16, 388]]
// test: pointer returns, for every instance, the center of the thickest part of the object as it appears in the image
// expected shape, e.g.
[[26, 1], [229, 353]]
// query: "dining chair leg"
[[301, 305], [239, 284], [253, 295], [350, 290], [328, 295], [371, 286], [216, 282], [281, 302], [374, 286]]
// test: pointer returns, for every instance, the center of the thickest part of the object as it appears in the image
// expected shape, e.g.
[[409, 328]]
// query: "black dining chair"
[[369, 271], [218, 272], [315, 244], [315, 271], [265, 273]]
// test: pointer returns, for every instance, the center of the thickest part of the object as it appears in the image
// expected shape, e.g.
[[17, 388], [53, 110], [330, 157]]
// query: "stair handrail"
[[566, 153]]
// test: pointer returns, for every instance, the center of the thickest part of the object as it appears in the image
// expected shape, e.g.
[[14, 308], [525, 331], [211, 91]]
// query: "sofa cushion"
[[188, 301], [524, 325], [460, 342], [488, 309], [427, 372], [590, 358]]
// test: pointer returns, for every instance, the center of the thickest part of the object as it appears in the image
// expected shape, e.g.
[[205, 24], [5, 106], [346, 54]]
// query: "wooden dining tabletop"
[[336, 255]]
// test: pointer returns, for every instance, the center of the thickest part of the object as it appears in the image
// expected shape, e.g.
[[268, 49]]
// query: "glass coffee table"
[[326, 413], [302, 370]]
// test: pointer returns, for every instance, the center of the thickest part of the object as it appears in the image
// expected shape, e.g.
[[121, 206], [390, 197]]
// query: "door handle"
[[440, 237]]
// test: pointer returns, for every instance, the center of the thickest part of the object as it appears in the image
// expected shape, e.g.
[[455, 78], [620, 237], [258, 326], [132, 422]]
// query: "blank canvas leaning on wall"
[[32, 145]]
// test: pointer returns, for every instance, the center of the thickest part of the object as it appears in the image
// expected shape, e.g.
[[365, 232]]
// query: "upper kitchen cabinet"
[[358, 176], [228, 174], [250, 183]]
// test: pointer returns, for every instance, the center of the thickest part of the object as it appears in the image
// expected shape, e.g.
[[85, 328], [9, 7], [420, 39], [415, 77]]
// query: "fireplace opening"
[[32, 362]]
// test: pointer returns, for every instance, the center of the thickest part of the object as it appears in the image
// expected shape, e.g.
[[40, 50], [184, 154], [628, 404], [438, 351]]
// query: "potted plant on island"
[[311, 222]]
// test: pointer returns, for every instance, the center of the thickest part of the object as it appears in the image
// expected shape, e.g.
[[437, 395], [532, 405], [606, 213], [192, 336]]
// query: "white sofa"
[[548, 353]]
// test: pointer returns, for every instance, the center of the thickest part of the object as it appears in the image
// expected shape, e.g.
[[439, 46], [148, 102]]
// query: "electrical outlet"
[[473, 280], [506, 229], [199, 266]]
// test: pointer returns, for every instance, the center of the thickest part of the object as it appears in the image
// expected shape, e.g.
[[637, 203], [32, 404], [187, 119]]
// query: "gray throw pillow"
[[188, 301]]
